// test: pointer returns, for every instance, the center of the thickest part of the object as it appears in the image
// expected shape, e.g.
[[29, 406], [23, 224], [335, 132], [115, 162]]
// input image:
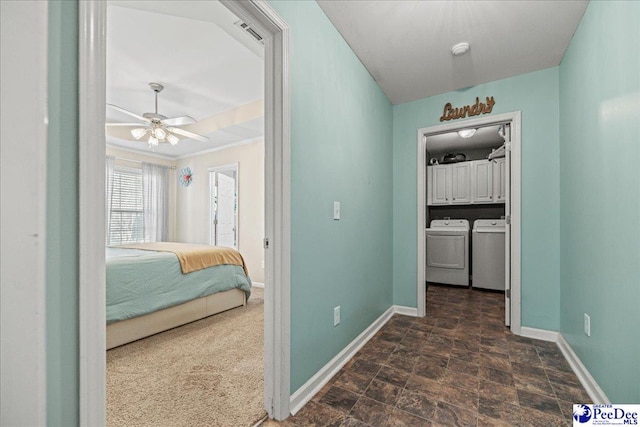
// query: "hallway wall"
[[600, 196], [536, 95], [341, 138]]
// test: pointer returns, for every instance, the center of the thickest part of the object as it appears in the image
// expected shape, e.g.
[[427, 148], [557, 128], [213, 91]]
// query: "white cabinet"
[[460, 183], [440, 184], [464, 183], [499, 180], [482, 181]]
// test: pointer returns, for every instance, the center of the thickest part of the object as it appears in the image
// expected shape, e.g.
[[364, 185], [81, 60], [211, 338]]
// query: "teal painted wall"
[[536, 95], [62, 217], [600, 196], [341, 124]]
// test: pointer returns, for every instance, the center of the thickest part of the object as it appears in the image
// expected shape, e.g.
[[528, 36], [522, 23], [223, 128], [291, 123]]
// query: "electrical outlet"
[[587, 325], [336, 316]]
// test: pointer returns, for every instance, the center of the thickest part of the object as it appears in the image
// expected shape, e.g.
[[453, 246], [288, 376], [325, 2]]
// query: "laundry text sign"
[[452, 113]]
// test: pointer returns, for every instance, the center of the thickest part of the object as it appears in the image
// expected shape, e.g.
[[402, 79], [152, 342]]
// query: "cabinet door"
[[460, 189], [482, 181], [441, 184], [499, 180]]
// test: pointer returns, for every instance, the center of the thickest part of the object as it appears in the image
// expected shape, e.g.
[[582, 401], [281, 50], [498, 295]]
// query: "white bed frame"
[[126, 331]]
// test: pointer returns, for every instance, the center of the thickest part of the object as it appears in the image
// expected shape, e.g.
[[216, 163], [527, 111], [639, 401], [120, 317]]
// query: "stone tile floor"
[[458, 366]]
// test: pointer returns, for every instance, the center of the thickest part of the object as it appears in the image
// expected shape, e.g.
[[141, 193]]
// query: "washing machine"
[[448, 251], [488, 257]]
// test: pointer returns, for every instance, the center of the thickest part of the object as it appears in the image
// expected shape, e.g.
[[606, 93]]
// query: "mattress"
[[141, 282]]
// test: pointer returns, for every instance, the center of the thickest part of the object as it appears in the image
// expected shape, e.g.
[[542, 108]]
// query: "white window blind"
[[126, 223]]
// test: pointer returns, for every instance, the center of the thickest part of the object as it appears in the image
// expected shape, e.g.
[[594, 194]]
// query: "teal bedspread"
[[141, 282]]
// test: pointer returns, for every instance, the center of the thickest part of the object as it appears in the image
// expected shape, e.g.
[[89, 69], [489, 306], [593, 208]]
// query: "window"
[[126, 222]]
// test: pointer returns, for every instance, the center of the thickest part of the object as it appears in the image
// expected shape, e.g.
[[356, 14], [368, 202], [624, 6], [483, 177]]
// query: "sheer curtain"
[[111, 163], [155, 202]]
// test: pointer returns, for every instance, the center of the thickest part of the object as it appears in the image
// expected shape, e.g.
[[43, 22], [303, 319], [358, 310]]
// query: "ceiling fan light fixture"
[[467, 133], [173, 140], [460, 49], [153, 141], [138, 133], [159, 133]]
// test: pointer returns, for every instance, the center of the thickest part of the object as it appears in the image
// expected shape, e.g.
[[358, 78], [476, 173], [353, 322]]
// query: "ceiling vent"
[[247, 28]]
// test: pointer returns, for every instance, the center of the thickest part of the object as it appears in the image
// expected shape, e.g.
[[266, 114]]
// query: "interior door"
[[507, 234], [225, 213]]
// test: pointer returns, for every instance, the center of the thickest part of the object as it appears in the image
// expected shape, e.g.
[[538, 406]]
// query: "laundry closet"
[[466, 185]]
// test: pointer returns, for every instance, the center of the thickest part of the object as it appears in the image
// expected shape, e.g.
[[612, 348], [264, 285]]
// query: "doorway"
[[223, 206], [511, 180], [92, 318]]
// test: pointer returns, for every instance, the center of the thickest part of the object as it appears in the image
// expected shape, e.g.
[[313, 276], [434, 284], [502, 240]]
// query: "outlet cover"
[[336, 316]]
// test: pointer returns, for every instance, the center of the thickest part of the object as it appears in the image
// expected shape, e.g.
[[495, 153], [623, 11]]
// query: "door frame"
[[92, 316], [213, 229], [514, 118]]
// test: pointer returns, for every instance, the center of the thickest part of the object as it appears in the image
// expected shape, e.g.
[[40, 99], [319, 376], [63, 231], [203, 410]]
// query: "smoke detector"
[[460, 49]]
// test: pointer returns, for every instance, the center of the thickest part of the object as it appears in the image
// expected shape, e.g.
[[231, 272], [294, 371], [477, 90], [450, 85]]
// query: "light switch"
[[336, 210]]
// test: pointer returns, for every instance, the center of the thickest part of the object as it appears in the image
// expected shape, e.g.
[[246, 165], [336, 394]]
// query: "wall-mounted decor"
[[451, 113], [186, 176]]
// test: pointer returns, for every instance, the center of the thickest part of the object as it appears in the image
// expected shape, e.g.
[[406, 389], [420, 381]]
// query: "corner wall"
[[536, 95], [600, 196], [341, 143], [192, 202]]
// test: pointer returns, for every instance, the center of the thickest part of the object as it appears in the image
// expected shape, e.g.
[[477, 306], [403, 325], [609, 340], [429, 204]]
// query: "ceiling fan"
[[157, 127]]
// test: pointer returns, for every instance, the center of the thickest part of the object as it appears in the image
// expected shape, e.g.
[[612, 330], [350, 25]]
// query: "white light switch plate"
[[336, 316], [336, 210]]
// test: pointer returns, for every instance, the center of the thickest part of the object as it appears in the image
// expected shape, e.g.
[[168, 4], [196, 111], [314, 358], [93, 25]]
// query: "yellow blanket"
[[194, 257]]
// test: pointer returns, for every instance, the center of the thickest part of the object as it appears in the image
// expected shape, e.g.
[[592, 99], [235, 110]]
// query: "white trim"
[[92, 316], [257, 285], [515, 119], [141, 153], [92, 71], [184, 156], [277, 300], [224, 147], [322, 377], [588, 382], [405, 311], [23, 139], [539, 334]]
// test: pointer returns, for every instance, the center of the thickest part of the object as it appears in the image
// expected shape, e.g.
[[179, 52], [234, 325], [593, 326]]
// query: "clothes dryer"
[[447, 244], [488, 256]]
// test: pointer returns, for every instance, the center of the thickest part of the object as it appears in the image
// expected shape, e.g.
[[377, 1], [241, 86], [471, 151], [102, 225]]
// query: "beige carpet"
[[207, 373]]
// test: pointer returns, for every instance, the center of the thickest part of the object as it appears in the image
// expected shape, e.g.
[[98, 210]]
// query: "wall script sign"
[[450, 113]]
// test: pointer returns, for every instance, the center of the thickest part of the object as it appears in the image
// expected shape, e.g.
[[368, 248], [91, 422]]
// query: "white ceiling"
[[207, 65], [406, 45]]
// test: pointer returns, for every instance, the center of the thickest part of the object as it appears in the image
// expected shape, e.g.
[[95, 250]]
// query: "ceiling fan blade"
[[134, 115], [188, 134], [124, 124], [179, 121]]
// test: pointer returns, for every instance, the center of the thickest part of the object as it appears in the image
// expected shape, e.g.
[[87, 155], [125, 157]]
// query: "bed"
[[152, 287]]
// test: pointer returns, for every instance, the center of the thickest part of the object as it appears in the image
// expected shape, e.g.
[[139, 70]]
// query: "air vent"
[[247, 28]]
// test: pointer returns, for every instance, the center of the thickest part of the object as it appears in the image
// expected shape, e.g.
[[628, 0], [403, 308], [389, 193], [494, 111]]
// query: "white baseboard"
[[588, 382], [257, 284], [406, 311], [322, 377], [539, 334]]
